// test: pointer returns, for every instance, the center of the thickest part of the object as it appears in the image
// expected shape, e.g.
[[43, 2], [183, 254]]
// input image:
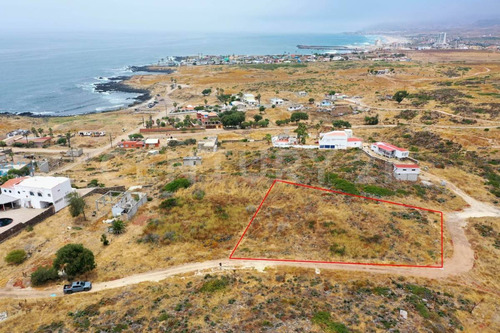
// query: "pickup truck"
[[77, 286]]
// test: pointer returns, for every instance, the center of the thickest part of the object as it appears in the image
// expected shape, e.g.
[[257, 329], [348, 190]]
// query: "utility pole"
[[111, 139]]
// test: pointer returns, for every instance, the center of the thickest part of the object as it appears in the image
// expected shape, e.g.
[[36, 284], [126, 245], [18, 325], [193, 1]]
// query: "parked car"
[[77, 286]]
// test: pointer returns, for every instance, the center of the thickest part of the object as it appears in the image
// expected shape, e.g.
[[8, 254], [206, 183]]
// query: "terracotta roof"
[[388, 146], [11, 182], [407, 166], [353, 139]]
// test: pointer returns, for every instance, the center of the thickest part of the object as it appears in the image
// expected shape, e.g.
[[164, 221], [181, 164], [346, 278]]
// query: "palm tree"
[[68, 139], [40, 130], [258, 97]]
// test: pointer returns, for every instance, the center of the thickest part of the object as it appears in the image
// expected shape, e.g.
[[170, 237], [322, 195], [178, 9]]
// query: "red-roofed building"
[[339, 140], [408, 172], [131, 144], [388, 150], [37, 142]]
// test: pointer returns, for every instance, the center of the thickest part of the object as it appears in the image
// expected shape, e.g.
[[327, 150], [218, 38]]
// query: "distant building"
[[208, 145], [408, 172], [249, 99], [191, 160], [339, 140], [6, 167], [302, 93], [284, 140], [388, 150], [152, 142], [277, 101], [37, 192], [37, 142], [295, 107], [325, 102], [131, 144]]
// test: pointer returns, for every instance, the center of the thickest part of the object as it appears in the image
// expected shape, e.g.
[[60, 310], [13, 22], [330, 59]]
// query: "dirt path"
[[461, 261]]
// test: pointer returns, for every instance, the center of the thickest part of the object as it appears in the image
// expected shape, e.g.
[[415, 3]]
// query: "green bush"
[[177, 184], [118, 227], [43, 275], [340, 184], [169, 203], [324, 319], [378, 191], [74, 259], [215, 285], [16, 257]]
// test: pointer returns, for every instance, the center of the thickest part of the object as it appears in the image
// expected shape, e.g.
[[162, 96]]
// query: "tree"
[[77, 204], [331, 93], [61, 141], [257, 117], [135, 136], [3, 144], [262, 108], [232, 118], [51, 132], [301, 133], [341, 124], [34, 131], [371, 120], [68, 138], [268, 138], [311, 100], [158, 122], [118, 227], [74, 259], [206, 92], [104, 240], [400, 95], [258, 97], [43, 274], [175, 105], [16, 257], [298, 116], [40, 131], [177, 184]]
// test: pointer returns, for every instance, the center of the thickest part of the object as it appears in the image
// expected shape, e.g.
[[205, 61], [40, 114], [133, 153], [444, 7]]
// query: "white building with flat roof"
[[408, 172], [249, 99], [339, 140], [39, 192], [277, 101]]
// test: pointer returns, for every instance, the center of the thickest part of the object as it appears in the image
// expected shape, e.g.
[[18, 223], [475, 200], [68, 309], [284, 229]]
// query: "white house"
[[38, 192], [406, 172], [277, 101], [295, 107], [325, 102], [339, 140], [249, 99], [388, 150], [284, 140]]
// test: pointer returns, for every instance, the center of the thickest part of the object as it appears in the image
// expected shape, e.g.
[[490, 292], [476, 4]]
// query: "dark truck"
[[77, 286]]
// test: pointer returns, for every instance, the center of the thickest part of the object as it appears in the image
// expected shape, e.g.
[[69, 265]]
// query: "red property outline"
[[338, 262]]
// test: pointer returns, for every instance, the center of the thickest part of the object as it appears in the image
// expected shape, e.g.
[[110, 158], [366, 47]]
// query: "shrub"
[[43, 275], [324, 319], [16, 257], [378, 191], [74, 259], [215, 285], [169, 203], [118, 227], [341, 184], [177, 184]]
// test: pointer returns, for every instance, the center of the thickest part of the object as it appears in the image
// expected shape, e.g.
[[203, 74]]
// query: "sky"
[[259, 16]]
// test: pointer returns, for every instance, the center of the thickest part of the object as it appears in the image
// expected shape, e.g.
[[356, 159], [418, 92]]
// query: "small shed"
[[192, 160]]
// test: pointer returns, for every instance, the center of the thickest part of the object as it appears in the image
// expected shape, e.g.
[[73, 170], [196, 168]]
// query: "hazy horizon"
[[259, 16]]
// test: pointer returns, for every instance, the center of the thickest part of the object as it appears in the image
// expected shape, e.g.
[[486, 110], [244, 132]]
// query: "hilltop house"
[[249, 99], [276, 101], [388, 150], [339, 140], [191, 160], [325, 102], [295, 107], [408, 172], [284, 140], [209, 144], [37, 142], [36, 192], [150, 143], [131, 144]]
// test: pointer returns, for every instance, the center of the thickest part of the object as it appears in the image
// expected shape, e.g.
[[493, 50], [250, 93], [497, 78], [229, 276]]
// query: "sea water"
[[54, 74]]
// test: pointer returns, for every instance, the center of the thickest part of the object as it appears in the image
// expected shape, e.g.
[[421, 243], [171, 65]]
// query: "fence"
[[35, 220]]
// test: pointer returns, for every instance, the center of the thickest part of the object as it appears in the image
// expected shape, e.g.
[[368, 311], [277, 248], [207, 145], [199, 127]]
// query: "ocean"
[[54, 74]]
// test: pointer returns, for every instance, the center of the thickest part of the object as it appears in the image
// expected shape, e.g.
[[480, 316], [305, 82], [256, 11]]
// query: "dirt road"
[[461, 261]]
